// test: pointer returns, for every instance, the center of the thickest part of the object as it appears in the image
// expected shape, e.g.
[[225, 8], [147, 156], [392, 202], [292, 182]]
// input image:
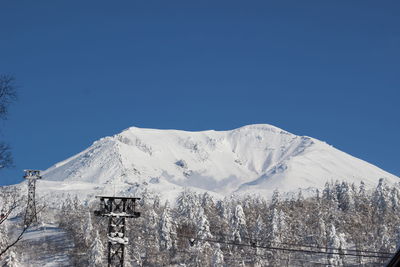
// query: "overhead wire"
[[344, 252], [317, 247], [283, 249], [326, 248]]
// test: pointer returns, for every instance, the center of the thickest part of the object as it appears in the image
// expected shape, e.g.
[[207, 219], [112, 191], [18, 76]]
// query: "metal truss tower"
[[31, 215], [117, 209]]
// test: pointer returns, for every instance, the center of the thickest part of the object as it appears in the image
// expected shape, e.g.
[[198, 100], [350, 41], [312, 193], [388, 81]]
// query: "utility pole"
[[117, 209], [30, 215]]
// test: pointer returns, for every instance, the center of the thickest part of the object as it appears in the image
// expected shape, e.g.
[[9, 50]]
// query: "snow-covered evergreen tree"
[[320, 231], [203, 227], [275, 199], [238, 224], [258, 230], [97, 250], [362, 190], [217, 257], [383, 241], [152, 240], [395, 199], [156, 202], [166, 229], [277, 226], [342, 248], [203, 252], [258, 233], [222, 209], [333, 242], [207, 203], [88, 229], [329, 194], [345, 197], [11, 259], [187, 204], [380, 197]]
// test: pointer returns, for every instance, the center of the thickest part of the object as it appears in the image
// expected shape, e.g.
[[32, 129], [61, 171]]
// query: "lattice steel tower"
[[30, 215], [117, 209]]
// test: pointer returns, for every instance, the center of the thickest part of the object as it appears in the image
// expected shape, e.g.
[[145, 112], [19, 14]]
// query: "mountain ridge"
[[256, 158]]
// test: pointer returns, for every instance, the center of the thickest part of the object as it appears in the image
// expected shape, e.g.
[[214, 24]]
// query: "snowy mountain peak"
[[250, 159], [261, 127]]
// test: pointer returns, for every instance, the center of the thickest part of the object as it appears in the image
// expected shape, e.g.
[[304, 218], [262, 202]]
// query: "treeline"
[[343, 224]]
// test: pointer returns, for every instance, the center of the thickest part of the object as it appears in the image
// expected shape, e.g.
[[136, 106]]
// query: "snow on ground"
[[46, 245]]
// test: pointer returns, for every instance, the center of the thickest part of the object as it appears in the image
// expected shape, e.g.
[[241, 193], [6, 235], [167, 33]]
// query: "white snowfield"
[[46, 245], [255, 159]]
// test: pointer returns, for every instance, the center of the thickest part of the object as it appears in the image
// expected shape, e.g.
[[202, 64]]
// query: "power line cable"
[[282, 249], [317, 247]]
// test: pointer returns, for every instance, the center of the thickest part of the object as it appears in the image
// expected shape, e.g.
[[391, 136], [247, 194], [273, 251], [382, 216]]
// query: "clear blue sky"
[[88, 69]]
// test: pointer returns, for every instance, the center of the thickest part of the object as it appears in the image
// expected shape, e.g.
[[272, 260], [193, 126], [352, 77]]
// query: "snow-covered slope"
[[250, 159]]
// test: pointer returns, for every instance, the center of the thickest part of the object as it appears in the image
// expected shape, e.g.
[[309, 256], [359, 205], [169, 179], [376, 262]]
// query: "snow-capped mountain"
[[254, 159]]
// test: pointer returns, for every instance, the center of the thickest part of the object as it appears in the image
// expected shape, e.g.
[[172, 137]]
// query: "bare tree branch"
[[21, 234], [7, 212], [6, 159], [9, 201], [8, 94]]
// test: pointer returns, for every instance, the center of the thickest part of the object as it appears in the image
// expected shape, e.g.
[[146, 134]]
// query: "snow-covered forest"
[[342, 225]]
